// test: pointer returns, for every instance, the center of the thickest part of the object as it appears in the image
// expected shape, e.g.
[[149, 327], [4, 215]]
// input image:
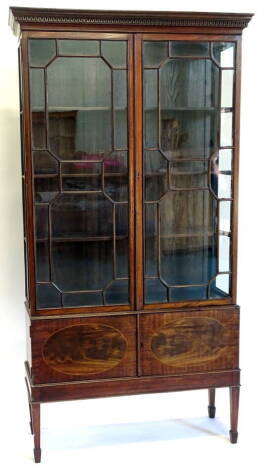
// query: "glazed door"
[[188, 144], [79, 103]]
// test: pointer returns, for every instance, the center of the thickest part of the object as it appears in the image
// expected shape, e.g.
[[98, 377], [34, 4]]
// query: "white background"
[[151, 431]]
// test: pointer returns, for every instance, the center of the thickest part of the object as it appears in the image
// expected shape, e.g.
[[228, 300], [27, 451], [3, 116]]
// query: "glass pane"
[[121, 241], [37, 103], [42, 222], [120, 108], [224, 186], [48, 296], [154, 53], [220, 287], [179, 74], [151, 240], [78, 47], [188, 293], [227, 88], [83, 215], [117, 293], [41, 51], [151, 108], [225, 216], [189, 48], [115, 52], [188, 174], [156, 176], [45, 163], [79, 116], [155, 291], [82, 299], [46, 188], [89, 178], [187, 246], [226, 129], [223, 52], [224, 253], [225, 160], [188, 119], [42, 262], [82, 265]]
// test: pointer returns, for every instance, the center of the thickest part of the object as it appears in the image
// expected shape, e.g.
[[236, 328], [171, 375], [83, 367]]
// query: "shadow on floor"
[[126, 433]]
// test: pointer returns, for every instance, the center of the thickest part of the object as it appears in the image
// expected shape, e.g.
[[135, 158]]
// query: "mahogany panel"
[[134, 386], [83, 348], [189, 341]]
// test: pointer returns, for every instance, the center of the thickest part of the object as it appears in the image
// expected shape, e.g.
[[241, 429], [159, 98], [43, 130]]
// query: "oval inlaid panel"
[[85, 349], [189, 341]]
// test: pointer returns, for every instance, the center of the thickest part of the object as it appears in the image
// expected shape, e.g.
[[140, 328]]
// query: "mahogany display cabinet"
[[130, 147]]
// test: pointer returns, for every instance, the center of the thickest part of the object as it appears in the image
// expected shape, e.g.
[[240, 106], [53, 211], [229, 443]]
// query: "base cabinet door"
[[185, 342], [83, 349]]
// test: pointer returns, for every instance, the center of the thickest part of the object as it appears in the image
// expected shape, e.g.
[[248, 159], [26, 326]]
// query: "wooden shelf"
[[81, 239]]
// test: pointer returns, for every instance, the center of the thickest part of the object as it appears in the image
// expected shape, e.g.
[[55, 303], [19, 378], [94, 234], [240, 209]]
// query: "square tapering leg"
[[234, 406]]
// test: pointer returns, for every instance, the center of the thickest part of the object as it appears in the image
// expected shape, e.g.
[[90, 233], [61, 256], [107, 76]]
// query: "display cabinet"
[[130, 141]]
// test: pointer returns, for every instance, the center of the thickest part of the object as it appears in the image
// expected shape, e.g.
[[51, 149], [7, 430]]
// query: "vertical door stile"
[[131, 143], [138, 170]]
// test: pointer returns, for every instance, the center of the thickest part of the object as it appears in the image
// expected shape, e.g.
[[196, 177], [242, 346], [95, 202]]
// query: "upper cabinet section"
[[35, 18]]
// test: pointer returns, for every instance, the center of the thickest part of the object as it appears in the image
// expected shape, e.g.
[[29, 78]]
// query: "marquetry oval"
[[189, 341], [85, 349]]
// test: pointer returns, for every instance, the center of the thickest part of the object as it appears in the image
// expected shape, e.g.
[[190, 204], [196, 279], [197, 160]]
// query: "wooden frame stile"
[[139, 171]]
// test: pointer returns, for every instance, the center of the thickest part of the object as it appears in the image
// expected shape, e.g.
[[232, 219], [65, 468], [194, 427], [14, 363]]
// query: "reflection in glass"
[[189, 48]]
